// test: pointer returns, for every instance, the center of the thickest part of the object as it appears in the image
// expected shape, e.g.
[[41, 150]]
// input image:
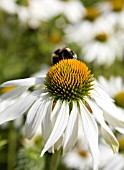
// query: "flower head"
[[57, 102], [69, 80], [105, 48]]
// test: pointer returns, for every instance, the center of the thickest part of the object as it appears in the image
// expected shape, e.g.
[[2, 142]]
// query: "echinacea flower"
[[105, 48], [57, 102], [113, 11], [83, 31]]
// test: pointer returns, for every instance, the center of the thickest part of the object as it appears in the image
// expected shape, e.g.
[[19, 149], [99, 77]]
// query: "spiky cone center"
[[69, 80], [119, 99]]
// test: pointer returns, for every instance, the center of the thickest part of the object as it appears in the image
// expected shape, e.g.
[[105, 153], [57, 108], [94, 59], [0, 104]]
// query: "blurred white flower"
[[113, 11], [112, 86], [84, 30], [103, 49], [8, 5], [40, 10], [79, 157], [37, 11], [57, 102]]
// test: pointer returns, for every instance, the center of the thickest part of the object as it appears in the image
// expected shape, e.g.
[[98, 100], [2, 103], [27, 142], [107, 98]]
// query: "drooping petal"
[[14, 93], [24, 82], [46, 124], [71, 131], [59, 127], [17, 109], [91, 133], [34, 118], [117, 124], [55, 111], [100, 93], [110, 139], [107, 133], [111, 112], [54, 116]]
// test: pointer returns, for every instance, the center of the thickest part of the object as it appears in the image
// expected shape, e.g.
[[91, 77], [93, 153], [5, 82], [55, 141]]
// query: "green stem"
[[52, 160], [11, 146]]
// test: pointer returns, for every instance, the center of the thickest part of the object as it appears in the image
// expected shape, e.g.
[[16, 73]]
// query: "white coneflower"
[[113, 11], [57, 102], [84, 30], [103, 49], [9, 6], [72, 9]]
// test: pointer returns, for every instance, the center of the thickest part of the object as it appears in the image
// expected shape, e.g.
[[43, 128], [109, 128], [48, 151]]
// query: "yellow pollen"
[[91, 14], [69, 79], [6, 89]]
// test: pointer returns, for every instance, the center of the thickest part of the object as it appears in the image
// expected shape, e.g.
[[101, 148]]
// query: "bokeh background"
[[30, 31]]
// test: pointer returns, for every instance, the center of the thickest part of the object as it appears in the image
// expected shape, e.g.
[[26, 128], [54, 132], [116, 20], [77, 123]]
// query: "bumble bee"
[[61, 54]]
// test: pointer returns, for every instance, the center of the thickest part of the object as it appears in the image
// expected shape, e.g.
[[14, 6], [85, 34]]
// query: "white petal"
[[91, 134], [71, 131], [99, 92], [16, 109], [16, 92], [113, 115], [121, 130], [110, 138], [115, 163], [58, 128], [46, 124], [24, 82], [34, 118], [54, 115], [115, 121], [109, 108], [55, 111], [107, 133]]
